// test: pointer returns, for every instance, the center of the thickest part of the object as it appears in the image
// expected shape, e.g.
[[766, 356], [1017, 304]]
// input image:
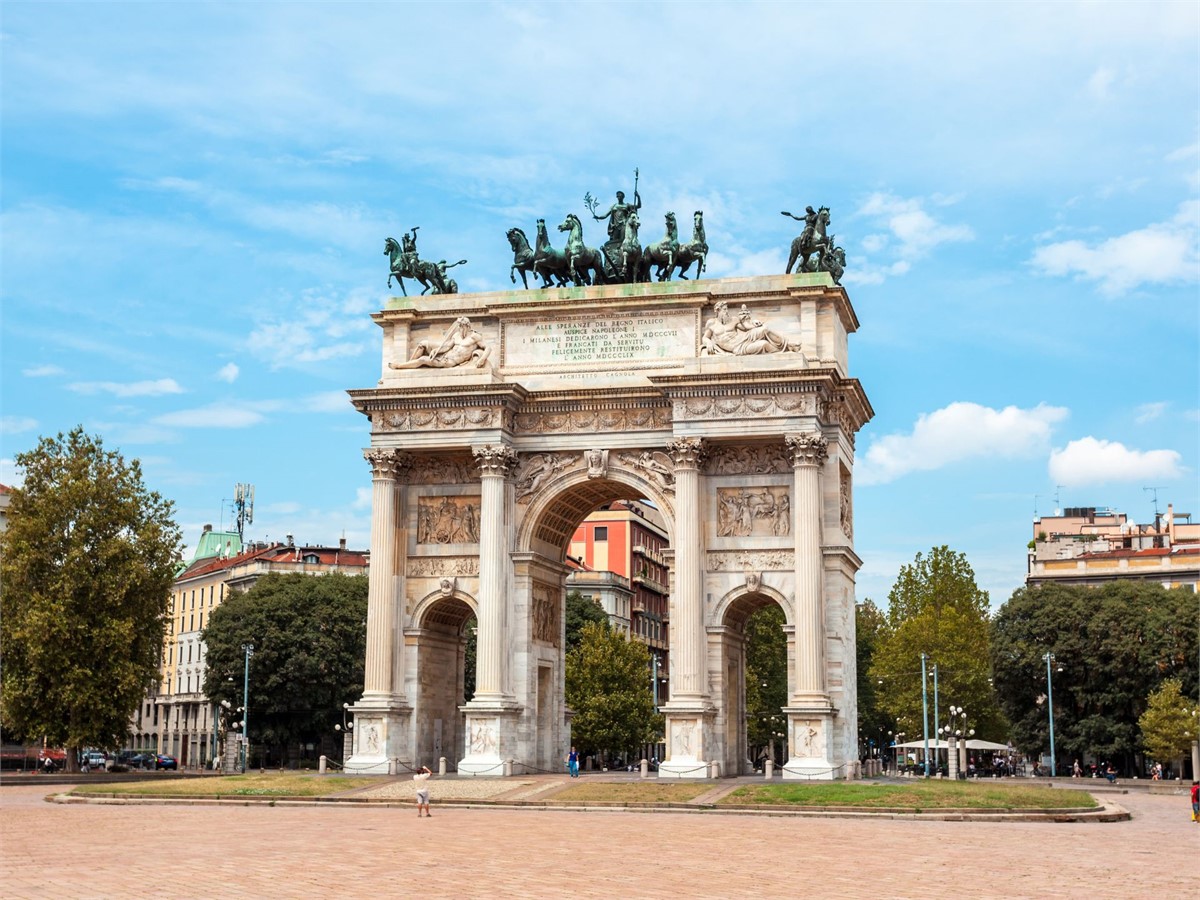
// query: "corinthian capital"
[[495, 459], [384, 462], [686, 453], [808, 448]]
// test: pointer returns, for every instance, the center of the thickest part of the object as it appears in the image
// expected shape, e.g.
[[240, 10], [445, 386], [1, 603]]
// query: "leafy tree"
[[936, 608], [766, 676], [1115, 645], [608, 687], [309, 636], [87, 565], [581, 611], [1169, 722], [873, 723]]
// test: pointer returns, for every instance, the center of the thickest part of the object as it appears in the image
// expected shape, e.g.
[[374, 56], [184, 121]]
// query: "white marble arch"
[[591, 395]]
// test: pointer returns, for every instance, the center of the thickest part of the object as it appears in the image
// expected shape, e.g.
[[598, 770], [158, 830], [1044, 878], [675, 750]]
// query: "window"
[[601, 533], [201, 620], [311, 558]]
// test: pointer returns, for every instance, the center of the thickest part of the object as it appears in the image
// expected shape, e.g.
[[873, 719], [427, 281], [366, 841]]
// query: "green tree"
[[580, 612], [766, 676], [1115, 645], [1169, 724], [608, 687], [936, 608], [874, 725], [87, 565], [309, 636]]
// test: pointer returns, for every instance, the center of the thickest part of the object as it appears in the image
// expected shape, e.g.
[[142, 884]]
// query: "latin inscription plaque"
[[596, 338]]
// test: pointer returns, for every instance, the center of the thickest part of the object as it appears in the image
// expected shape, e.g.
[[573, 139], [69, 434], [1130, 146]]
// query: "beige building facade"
[[501, 421]]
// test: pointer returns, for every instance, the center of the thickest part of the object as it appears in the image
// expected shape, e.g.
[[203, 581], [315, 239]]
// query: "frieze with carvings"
[[591, 421], [443, 470], [752, 405], [743, 560], [459, 418], [653, 465], [846, 494], [448, 520], [535, 469], [754, 459], [442, 566], [757, 511]]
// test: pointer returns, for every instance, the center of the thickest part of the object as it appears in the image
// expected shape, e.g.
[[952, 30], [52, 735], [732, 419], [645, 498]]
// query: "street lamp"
[[954, 757], [347, 729], [1049, 658], [247, 649]]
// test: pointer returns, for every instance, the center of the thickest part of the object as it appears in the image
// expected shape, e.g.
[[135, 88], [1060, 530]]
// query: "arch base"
[[810, 746], [381, 730]]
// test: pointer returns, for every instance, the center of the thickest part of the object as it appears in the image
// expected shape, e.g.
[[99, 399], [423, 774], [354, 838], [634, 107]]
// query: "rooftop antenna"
[[1057, 505], [1035, 500], [243, 502], [1154, 491]]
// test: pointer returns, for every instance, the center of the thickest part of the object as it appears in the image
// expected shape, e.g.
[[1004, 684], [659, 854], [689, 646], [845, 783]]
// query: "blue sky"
[[195, 198]]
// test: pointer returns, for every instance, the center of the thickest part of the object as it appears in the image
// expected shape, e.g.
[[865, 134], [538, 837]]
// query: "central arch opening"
[[755, 668], [614, 546], [445, 644]]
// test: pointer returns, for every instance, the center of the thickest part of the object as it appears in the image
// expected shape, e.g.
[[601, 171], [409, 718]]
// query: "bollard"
[[442, 766], [321, 765], [768, 768], [508, 768], [645, 768]]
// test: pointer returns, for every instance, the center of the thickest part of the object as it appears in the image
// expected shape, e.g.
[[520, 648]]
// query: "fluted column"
[[687, 619], [809, 452], [381, 588], [495, 462]]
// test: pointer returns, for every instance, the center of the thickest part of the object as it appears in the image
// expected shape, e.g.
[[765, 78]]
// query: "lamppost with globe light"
[[248, 650], [953, 733], [347, 730], [1049, 658]]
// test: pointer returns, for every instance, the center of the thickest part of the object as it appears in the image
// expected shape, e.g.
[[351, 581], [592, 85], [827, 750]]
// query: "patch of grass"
[[918, 795], [625, 792], [285, 785]]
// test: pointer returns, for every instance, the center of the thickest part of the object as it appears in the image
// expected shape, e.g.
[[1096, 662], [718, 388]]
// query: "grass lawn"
[[285, 785], [918, 795], [641, 792]]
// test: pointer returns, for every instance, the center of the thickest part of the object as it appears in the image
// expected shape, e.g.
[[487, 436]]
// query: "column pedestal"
[[491, 738], [690, 740], [381, 737], [810, 745]]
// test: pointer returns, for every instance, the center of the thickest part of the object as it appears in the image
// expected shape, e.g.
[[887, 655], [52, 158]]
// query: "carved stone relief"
[[847, 503], [809, 448], [448, 520], [594, 421], [759, 511], [684, 739], [535, 469], [495, 459], [741, 560], [545, 613], [440, 566], [806, 739], [654, 465], [483, 736], [597, 463], [754, 459], [438, 419], [753, 405], [443, 470]]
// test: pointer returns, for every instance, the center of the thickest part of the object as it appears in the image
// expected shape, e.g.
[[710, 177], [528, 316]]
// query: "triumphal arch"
[[501, 420]]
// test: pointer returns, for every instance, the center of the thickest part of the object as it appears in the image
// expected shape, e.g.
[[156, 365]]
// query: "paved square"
[[54, 850]]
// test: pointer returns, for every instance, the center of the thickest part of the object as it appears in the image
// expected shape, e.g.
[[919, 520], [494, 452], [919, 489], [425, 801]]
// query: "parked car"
[[95, 759], [166, 762], [143, 761]]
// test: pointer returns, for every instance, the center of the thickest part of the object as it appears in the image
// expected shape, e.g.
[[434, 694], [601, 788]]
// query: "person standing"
[[1196, 801], [573, 762], [421, 780]]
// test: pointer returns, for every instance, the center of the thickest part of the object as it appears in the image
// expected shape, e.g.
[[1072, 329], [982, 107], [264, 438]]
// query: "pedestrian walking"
[[1076, 770], [421, 780], [573, 762], [1196, 801]]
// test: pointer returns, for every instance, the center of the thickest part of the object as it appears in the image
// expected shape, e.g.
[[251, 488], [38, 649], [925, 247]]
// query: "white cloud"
[[1148, 412], [362, 498], [155, 388], [228, 372], [915, 230], [213, 416], [44, 371], [319, 329], [1101, 82], [1161, 253], [9, 474], [1091, 461], [327, 402], [17, 424], [957, 432]]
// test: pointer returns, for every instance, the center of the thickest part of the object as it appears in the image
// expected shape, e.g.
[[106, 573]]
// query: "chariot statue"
[[617, 216], [406, 263], [812, 239]]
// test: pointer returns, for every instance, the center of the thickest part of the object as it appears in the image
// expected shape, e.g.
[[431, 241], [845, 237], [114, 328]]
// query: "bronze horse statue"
[[696, 251], [405, 264], [663, 253], [581, 259], [811, 240], [548, 262], [525, 259]]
